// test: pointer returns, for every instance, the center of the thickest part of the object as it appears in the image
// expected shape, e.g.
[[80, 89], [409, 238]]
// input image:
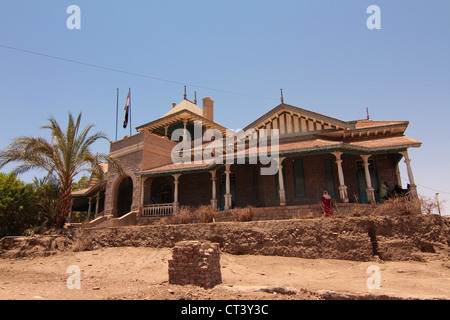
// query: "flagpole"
[[129, 92], [117, 109]]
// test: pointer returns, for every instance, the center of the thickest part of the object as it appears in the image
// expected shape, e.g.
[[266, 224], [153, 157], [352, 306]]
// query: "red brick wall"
[[156, 150], [127, 141], [315, 179], [195, 189], [386, 165]]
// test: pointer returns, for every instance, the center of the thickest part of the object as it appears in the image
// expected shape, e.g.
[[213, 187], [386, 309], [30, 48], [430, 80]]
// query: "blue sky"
[[320, 52]]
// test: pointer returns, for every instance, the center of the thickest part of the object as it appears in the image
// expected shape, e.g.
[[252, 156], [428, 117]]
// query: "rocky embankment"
[[410, 237]]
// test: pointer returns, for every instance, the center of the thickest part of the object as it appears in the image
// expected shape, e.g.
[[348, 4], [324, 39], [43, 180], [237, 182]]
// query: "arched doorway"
[[124, 196]]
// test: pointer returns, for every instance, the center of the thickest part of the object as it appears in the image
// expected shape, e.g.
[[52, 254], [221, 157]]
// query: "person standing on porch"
[[326, 204], [384, 190]]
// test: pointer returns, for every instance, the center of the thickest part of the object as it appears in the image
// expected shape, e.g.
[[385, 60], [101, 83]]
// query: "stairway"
[[128, 219]]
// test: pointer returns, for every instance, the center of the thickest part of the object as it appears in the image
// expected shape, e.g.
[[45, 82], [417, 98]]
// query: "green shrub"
[[18, 210]]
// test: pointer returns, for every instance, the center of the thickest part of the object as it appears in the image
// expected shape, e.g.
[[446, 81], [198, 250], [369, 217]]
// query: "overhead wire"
[[131, 73], [407, 180]]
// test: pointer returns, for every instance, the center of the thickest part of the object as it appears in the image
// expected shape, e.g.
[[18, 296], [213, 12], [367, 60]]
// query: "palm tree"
[[65, 156]]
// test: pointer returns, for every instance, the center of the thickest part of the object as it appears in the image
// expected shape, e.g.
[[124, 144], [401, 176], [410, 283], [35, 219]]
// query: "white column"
[[175, 192], [184, 130], [412, 184], [97, 202], [342, 187], [213, 198], [281, 190], [89, 210], [228, 195], [369, 190], [398, 176]]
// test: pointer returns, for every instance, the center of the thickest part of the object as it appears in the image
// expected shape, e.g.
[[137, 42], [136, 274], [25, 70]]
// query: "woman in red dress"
[[326, 204]]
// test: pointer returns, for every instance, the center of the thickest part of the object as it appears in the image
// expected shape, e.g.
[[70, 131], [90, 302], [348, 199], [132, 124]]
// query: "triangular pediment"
[[183, 114], [292, 120], [185, 105]]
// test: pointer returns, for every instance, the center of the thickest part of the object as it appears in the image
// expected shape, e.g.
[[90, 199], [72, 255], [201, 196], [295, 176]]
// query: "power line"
[[131, 73], [407, 180]]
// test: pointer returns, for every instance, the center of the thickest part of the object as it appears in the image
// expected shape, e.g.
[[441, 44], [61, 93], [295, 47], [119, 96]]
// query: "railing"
[[157, 210]]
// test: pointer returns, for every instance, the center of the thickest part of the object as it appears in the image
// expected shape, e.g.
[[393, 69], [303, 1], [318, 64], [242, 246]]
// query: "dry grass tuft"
[[243, 214], [185, 214], [402, 205]]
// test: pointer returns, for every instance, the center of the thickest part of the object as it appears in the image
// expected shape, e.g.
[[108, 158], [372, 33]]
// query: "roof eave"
[[165, 120]]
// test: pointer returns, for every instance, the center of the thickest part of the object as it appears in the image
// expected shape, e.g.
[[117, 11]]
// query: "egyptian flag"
[[127, 106]]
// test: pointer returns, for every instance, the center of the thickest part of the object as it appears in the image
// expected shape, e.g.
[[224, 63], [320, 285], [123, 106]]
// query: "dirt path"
[[141, 273]]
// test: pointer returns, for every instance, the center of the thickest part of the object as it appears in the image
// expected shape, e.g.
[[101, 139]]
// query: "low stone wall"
[[195, 262], [301, 211], [263, 213], [349, 238]]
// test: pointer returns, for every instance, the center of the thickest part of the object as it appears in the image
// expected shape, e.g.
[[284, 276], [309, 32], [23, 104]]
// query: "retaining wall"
[[350, 238]]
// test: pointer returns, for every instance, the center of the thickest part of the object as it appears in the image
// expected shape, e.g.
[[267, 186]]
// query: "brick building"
[[349, 159]]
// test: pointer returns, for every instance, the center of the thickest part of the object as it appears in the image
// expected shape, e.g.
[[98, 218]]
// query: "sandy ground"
[[142, 273]]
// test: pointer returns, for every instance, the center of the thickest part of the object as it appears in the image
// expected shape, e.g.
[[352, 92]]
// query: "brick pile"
[[195, 262]]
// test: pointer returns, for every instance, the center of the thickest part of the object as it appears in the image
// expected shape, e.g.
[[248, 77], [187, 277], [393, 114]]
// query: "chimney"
[[173, 105], [208, 108]]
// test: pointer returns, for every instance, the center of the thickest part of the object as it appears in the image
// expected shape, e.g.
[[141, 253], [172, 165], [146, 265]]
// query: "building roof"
[[185, 110], [95, 184], [185, 105], [317, 144], [386, 143], [365, 123], [357, 137], [179, 168], [293, 148]]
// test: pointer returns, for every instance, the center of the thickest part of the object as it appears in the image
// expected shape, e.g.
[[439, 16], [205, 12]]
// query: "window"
[[360, 165], [299, 178], [223, 177]]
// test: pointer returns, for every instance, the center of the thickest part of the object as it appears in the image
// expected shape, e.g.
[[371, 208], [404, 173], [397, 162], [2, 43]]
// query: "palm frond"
[[114, 164], [64, 156]]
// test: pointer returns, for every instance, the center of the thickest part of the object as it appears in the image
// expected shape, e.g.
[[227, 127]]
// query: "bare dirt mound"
[[37, 246]]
